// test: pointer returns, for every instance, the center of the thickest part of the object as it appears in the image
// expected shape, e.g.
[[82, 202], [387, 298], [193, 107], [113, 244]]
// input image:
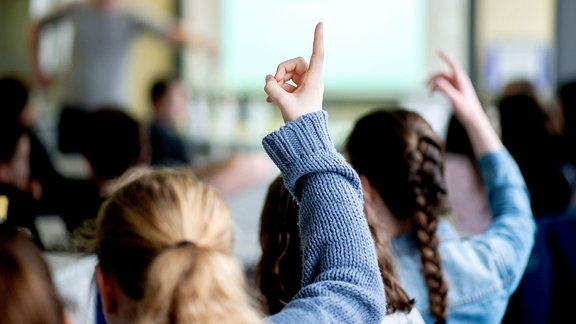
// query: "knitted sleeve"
[[341, 281]]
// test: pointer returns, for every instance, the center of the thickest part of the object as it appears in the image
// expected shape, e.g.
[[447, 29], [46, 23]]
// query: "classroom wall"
[[520, 21], [14, 56], [447, 22], [152, 58], [519, 27]]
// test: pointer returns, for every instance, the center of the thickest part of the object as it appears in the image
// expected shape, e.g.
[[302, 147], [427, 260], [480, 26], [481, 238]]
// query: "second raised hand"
[[306, 95]]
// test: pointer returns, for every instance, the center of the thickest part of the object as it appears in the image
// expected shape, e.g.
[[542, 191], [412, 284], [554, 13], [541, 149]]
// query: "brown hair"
[[402, 157], [279, 270], [166, 239], [29, 294]]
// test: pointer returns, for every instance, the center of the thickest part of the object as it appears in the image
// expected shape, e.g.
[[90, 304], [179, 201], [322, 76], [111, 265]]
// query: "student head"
[[16, 106], [523, 124], [28, 293], [279, 270], [14, 155], [519, 87], [169, 100], [400, 160], [164, 247], [526, 134], [115, 143]]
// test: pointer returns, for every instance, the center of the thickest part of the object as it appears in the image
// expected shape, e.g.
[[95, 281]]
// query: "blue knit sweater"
[[341, 282]]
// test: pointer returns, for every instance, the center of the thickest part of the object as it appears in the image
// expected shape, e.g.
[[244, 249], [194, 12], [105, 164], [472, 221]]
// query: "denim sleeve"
[[341, 281], [511, 236]]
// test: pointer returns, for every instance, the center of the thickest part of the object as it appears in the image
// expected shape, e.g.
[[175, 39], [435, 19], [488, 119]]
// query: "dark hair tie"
[[182, 243]]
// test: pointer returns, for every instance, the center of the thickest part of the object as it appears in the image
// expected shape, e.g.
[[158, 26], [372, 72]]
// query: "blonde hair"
[[166, 238]]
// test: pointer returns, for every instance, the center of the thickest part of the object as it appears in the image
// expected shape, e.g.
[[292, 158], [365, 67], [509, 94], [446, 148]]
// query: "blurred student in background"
[[169, 103], [19, 194], [170, 148], [537, 150], [104, 34], [52, 189], [115, 145], [28, 293], [452, 279]]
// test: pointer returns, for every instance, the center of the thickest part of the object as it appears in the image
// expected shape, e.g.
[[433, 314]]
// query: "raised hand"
[[306, 95], [457, 86]]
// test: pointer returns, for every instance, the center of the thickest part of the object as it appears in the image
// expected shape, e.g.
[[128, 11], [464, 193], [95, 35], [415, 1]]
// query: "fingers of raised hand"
[[434, 78], [317, 58], [272, 89], [444, 85], [454, 66], [292, 69]]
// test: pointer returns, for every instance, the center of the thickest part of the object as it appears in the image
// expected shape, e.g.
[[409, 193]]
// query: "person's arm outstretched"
[[459, 89], [508, 242], [341, 281]]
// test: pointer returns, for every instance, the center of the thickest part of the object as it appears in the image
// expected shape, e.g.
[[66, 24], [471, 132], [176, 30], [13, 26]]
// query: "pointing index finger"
[[317, 58]]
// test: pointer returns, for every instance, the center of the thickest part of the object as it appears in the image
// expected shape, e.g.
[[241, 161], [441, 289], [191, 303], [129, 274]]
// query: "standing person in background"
[[104, 33], [399, 159], [169, 104]]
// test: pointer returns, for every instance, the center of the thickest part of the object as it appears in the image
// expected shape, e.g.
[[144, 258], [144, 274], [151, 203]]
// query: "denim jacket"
[[483, 270]]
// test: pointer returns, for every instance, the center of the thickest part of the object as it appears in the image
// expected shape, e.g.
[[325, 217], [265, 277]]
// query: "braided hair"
[[402, 157]]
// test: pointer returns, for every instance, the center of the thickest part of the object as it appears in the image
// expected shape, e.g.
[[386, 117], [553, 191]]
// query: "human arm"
[[37, 75], [457, 86], [509, 240], [175, 31], [188, 37], [341, 281], [35, 27]]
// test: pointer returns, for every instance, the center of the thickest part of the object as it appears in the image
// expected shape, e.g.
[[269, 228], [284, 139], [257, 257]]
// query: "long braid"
[[409, 179], [429, 191]]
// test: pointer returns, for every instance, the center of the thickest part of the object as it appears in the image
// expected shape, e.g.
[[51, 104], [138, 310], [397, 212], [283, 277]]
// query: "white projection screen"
[[375, 49]]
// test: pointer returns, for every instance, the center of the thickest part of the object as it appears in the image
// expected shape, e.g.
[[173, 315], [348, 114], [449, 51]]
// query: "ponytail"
[[195, 281], [191, 284]]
